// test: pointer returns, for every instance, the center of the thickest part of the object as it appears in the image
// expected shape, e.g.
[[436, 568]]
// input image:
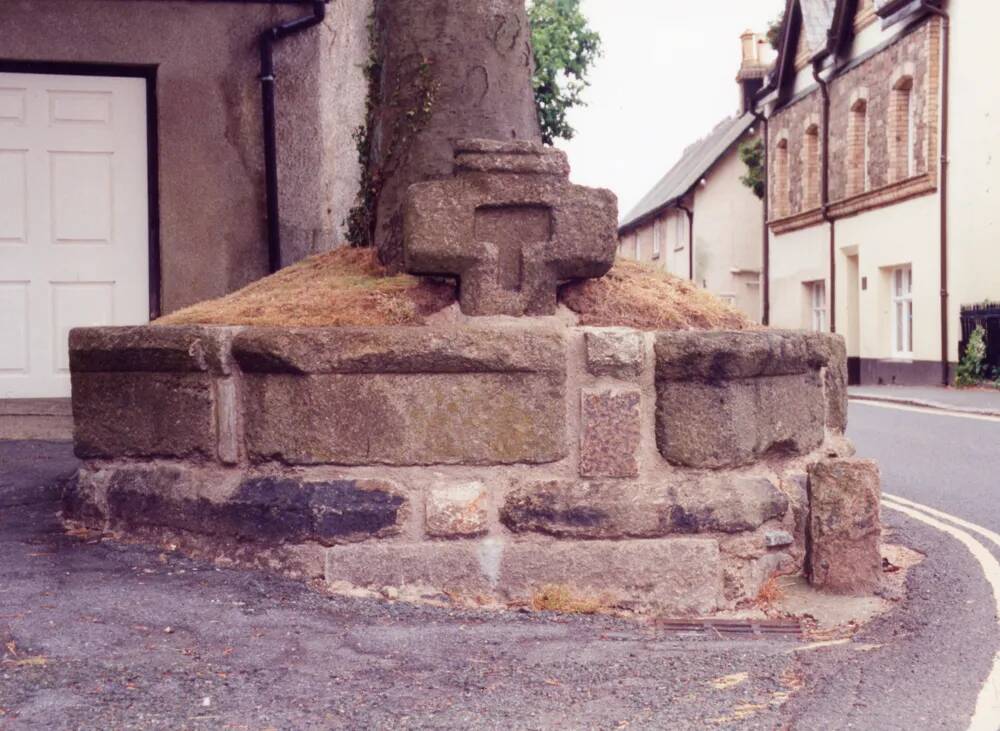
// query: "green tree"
[[774, 31], [752, 155], [565, 49]]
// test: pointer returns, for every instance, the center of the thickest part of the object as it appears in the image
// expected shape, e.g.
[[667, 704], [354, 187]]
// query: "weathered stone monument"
[[499, 451], [448, 70], [510, 226]]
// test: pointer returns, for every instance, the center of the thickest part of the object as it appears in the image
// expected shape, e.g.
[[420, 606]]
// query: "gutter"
[[825, 192], [267, 41], [943, 193]]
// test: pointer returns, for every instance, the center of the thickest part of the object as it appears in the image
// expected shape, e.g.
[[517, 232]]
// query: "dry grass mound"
[[334, 289], [639, 296], [562, 598], [349, 287]]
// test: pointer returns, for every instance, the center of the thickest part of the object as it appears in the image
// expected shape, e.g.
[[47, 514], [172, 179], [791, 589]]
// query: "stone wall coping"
[[151, 349], [728, 355], [401, 350]]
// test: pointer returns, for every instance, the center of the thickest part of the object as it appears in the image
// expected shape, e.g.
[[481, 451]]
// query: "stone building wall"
[[666, 470], [915, 55], [791, 123]]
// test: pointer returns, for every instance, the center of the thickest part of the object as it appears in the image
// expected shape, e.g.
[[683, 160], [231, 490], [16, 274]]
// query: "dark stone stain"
[[680, 520], [265, 510], [544, 516], [718, 368]]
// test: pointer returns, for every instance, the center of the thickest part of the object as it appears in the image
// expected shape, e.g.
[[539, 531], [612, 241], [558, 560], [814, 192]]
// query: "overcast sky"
[[666, 78]]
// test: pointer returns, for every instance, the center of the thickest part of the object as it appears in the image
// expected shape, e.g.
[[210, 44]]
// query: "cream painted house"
[[882, 209], [699, 221]]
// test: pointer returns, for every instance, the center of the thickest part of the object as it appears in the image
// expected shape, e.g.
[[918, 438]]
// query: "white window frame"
[[635, 246], [817, 305], [657, 233], [901, 289], [679, 238]]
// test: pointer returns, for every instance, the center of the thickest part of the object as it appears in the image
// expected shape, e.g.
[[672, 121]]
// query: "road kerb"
[[987, 714], [922, 404]]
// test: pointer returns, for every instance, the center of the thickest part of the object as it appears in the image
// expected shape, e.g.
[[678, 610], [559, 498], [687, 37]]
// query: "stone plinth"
[[731, 399], [488, 461], [403, 396]]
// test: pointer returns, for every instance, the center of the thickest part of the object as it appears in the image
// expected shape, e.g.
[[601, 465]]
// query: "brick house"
[[136, 174], [881, 220], [699, 221]]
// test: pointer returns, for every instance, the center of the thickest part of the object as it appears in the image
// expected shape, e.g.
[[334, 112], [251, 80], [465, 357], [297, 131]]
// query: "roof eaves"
[[790, 29], [698, 160]]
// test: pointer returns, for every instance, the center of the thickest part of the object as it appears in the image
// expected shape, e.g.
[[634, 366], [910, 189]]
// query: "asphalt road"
[[950, 463], [95, 634]]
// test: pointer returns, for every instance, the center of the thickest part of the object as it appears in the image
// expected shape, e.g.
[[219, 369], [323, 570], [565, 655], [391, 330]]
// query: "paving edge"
[[933, 405]]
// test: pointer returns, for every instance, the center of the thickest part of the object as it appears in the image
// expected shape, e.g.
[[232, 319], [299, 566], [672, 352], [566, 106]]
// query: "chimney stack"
[[756, 56]]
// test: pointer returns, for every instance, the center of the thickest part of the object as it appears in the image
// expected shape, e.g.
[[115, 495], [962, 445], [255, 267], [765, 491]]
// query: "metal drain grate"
[[751, 628]]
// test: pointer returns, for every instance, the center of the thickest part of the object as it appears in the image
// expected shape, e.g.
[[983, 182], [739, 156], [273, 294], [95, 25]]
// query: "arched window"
[[811, 163], [857, 147], [902, 130], [780, 205]]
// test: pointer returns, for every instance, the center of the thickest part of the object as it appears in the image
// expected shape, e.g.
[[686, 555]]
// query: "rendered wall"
[[212, 219], [727, 234], [974, 154]]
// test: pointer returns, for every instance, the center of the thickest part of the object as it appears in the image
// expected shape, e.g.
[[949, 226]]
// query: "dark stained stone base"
[[265, 510]]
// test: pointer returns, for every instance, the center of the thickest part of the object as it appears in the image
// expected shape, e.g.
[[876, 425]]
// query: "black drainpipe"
[[267, 40], [690, 215], [825, 195], [945, 63], [765, 318]]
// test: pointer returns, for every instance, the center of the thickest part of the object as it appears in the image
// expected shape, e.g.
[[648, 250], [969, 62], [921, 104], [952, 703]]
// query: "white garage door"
[[74, 246]]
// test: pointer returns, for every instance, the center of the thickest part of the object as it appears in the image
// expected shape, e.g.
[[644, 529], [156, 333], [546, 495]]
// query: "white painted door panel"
[[74, 247]]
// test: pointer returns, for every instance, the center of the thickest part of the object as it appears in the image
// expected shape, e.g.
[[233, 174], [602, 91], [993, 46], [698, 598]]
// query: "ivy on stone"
[[565, 50], [752, 155]]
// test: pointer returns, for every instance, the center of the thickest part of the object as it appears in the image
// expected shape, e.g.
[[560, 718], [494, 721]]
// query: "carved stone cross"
[[510, 226]]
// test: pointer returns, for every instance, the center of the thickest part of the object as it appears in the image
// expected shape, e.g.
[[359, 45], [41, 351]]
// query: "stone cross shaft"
[[510, 226]]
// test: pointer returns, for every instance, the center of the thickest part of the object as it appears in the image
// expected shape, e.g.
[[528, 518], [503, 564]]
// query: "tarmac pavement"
[[97, 634]]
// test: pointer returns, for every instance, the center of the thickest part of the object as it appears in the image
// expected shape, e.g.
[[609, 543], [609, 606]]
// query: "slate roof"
[[694, 163], [817, 19]]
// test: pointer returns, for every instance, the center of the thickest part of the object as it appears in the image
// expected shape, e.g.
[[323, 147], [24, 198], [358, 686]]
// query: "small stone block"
[[610, 433], [457, 511], [675, 575], [731, 423], [845, 496], [615, 351], [777, 538], [144, 415]]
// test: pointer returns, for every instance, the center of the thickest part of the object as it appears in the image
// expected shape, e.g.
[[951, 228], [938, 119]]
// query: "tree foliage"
[[752, 155], [774, 31], [970, 368], [565, 50]]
